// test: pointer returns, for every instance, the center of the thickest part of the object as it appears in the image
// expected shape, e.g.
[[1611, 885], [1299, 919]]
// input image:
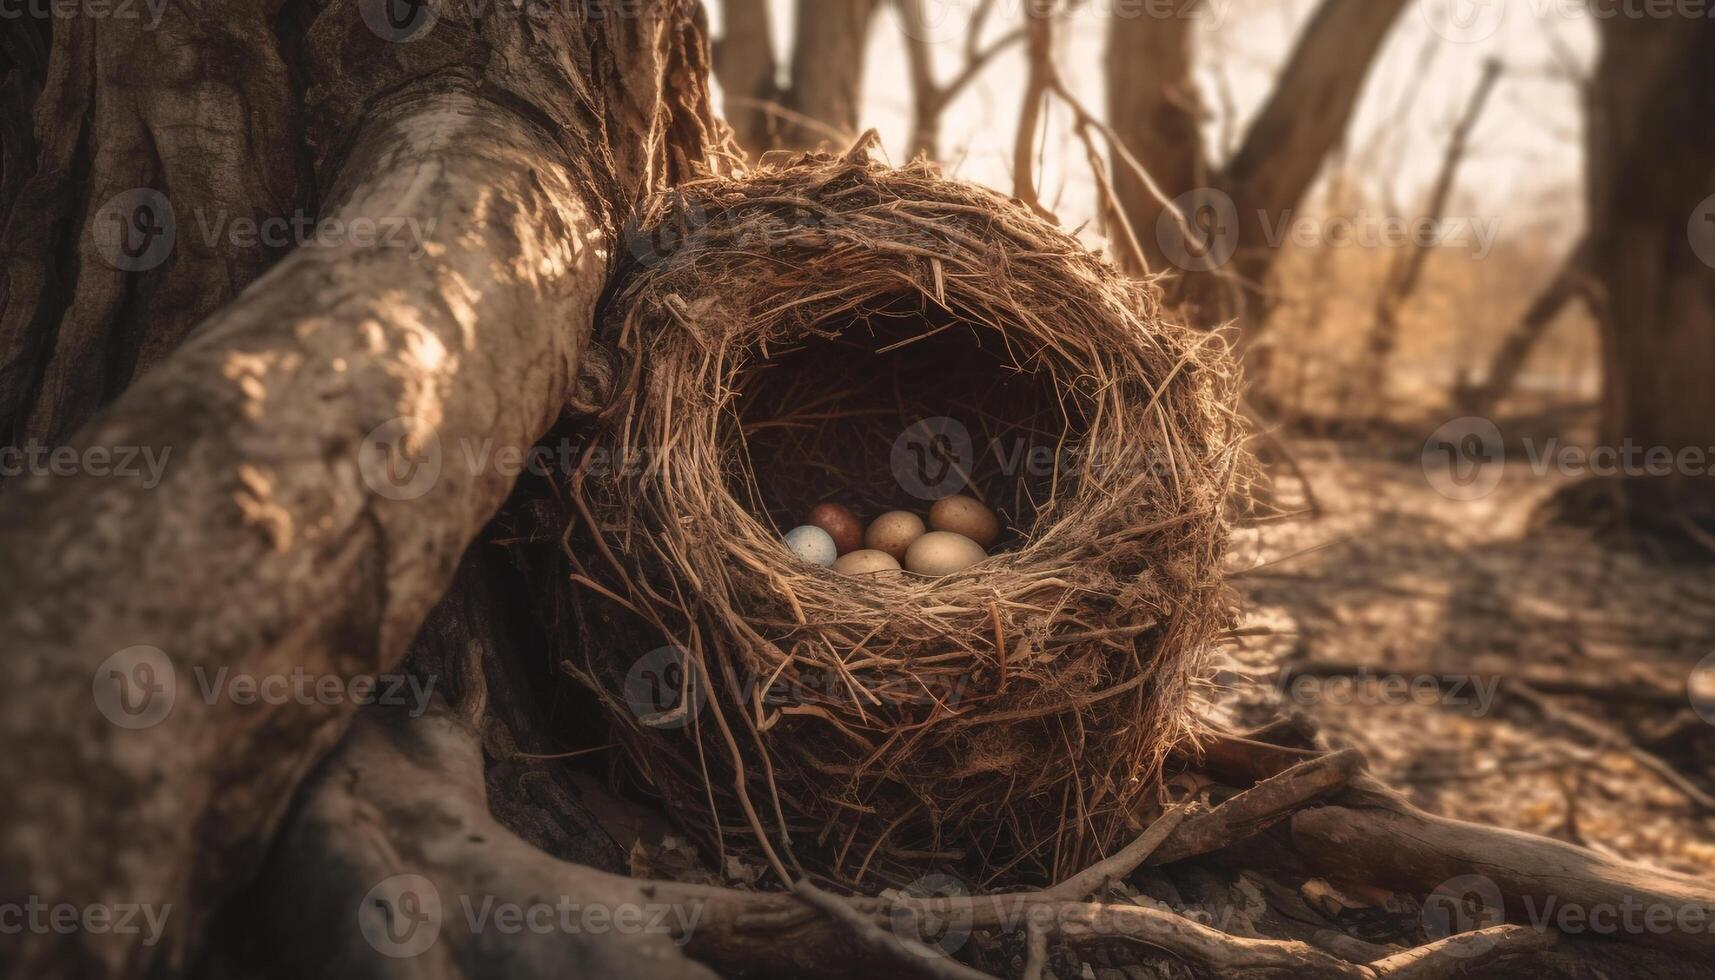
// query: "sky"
[[1523, 170]]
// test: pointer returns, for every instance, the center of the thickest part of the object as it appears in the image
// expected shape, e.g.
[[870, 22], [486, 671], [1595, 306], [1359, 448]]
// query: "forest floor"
[[1493, 670]]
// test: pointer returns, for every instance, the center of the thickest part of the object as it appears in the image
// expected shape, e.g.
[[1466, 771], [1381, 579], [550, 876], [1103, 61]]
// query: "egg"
[[812, 544], [840, 523], [866, 561], [893, 532], [943, 553], [966, 516]]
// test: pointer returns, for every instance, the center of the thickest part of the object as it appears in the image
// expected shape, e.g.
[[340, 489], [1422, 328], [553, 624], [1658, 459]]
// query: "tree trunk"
[[76, 321], [1155, 109], [1652, 253], [821, 102], [746, 66], [1227, 248], [827, 72], [284, 538]]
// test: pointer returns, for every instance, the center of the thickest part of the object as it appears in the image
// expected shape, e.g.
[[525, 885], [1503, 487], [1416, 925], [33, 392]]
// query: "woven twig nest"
[[835, 329]]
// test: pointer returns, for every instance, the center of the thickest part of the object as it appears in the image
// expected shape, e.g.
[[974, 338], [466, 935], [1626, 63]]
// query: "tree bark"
[[1651, 172], [1305, 117], [1532, 877], [1155, 109], [821, 102], [746, 66], [114, 115], [828, 53], [277, 541]]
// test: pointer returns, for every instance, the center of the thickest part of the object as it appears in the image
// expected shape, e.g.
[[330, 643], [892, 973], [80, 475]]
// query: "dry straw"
[[778, 337]]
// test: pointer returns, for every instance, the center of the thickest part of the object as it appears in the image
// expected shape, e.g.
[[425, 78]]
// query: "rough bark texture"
[[264, 550], [193, 107], [404, 796], [1651, 168], [1304, 118]]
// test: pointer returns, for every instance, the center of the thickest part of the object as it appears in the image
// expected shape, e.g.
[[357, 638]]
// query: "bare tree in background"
[[1651, 142], [1155, 108], [820, 101], [930, 98], [1405, 272]]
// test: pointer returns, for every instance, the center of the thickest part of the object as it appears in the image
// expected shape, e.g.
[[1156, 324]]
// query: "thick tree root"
[[394, 835]]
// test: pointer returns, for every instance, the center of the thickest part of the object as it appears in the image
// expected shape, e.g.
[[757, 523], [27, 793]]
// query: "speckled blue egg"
[[812, 544]]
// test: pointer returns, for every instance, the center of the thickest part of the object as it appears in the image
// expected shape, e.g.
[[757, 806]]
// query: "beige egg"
[[893, 532], [943, 553], [866, 561], [966, 516]]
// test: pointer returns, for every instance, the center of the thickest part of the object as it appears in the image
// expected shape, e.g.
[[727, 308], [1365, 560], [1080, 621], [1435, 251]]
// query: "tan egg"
[[943, 553], [840, 523], [966, 516], [893, 532], [866, 561]]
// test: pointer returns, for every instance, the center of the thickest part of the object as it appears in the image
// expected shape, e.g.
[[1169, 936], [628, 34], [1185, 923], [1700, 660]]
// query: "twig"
[[1036, 949], [919, 960], [1608, 736], [1459, 955], [1097, 876], [1260, 807]]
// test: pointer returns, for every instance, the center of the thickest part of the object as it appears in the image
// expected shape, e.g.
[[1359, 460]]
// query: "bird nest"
[[838, 330]]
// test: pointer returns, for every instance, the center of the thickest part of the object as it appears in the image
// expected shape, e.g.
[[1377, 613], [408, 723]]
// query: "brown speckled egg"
[[840, 523], [893, 532], [866, 561], [942, 553], [966, 516]]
